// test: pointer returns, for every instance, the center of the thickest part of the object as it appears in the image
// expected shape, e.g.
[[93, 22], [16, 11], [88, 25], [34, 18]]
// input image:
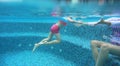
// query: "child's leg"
[[105, 50], [48, 38], [35, 46], [55, 41], [43, 41], [95, 44], [103, 55], [115, 50]]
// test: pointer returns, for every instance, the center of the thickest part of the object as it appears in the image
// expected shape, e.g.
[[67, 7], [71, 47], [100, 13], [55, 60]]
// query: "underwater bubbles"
[[105, 37], [60, 50], [30, 45], [31, 28], [52, 47], [19, 45], [65, 30]]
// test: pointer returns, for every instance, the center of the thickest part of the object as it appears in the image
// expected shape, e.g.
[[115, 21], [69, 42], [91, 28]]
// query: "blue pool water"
[[21, 28], [16, 45]]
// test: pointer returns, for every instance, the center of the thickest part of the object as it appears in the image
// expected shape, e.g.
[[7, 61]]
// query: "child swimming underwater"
[[54, 30]]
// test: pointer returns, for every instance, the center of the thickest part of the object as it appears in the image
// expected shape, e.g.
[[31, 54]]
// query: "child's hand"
[[35, 46]]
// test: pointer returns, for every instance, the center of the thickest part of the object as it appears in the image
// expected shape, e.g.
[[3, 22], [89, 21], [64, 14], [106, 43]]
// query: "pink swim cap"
[[63, 23]]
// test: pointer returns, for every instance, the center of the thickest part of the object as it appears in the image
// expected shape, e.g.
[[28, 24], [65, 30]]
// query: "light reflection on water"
[[38, 8]]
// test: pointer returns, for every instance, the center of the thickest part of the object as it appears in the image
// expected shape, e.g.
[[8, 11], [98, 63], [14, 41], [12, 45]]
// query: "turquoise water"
[[26, 22], [16, 45]]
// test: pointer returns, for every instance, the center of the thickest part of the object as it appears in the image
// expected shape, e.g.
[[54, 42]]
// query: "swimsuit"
[[63, 21], [55, 28]]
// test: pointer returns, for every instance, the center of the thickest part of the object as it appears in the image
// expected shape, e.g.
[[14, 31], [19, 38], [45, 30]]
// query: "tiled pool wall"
[[84, 31], [89, 32], [77, 54], [30, 33]]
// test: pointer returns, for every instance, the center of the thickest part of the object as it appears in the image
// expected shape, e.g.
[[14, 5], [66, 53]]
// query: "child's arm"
[[74, 21], [102, 21], [52, 42]]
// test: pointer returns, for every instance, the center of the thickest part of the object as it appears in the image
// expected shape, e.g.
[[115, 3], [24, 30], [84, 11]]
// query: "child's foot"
[[36, 46]]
